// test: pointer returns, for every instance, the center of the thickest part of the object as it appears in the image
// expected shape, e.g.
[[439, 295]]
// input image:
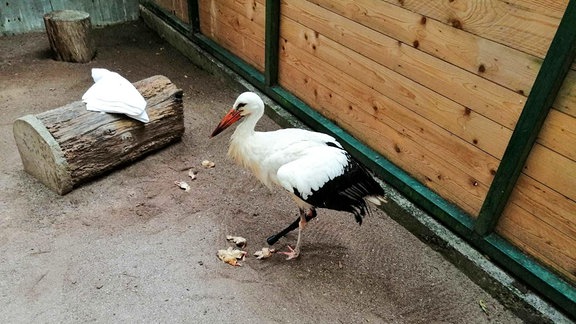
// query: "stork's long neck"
[[242, 145], [245, 129]]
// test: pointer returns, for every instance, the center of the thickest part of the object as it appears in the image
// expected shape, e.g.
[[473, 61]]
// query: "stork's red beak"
[[231, 117]]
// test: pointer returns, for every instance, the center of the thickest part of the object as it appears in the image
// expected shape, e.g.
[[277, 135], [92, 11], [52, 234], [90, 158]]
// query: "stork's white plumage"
[[313, 167]]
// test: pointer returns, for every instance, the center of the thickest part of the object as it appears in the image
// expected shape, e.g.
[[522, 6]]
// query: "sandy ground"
[[132, 247]]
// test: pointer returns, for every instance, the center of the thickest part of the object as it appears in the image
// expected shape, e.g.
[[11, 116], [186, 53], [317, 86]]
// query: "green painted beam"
[[556, 64], [272, 42], [194, 16], [538, 277]]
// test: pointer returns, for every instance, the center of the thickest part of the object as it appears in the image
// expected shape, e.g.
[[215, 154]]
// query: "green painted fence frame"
[[478, 232]]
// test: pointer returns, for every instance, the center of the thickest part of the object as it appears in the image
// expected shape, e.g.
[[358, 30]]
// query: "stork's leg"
[[293, 253], [274, 238]]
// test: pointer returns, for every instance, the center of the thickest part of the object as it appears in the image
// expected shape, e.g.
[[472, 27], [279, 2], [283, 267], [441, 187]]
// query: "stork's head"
[[247, 104]]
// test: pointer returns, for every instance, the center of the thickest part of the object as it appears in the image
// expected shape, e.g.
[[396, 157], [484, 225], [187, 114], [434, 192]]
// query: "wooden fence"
[[17, 16], [438, 89]]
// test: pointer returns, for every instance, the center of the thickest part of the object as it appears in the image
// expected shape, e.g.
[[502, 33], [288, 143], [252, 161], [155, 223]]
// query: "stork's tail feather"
[[361, 209], [377, 200]]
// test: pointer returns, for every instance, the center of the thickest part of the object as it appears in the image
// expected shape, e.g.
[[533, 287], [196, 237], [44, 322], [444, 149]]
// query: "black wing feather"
[[346, 192]]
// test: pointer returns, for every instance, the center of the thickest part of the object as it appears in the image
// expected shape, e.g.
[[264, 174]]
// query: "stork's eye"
[[240, 105]]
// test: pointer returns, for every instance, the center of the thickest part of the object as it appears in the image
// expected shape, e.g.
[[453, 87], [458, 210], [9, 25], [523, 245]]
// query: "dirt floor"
[[132, 247]]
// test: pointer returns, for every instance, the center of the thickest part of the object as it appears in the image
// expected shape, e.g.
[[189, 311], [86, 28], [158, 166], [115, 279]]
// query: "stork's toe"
[[292, 254]]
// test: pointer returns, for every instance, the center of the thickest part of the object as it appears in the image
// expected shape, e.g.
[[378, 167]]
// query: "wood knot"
[[455, 23], [127, 136]]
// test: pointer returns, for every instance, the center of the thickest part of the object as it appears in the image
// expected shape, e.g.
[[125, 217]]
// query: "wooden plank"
[[206, 24], [219, 11], [566, 99], [398, 146], [166, 5], [546, 204], [485, 97], [455, 153], [526, 25], [465, 123], [539, 239], [18, 16], [251, 51], [467, 157], [559, 134], [181, 9], [506, 66], [553, 170], [509, 67], [254, 10], [178, 8], [101, 12]]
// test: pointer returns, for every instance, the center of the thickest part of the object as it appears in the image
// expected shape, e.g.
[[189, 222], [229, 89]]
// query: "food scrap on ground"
[[231, 256], [264, 253], [183, 185], [238, 240], [192, 174], [208, 164]]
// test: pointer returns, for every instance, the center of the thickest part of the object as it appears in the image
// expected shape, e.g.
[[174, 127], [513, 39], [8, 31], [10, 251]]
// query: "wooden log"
[[69, 35], [67, 146]]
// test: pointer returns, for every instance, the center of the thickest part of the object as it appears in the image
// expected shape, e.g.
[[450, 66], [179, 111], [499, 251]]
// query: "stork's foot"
[[292, 254]]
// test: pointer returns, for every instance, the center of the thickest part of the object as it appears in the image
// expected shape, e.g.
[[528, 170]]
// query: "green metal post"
[[556, 64], [194, 16], [272, 42]]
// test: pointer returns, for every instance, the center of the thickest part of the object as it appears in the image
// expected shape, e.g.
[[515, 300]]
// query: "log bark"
[[69, 33], [67, 146]]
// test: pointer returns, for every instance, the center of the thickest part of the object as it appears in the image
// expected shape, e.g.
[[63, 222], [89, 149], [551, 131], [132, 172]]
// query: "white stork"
[[313, 167]]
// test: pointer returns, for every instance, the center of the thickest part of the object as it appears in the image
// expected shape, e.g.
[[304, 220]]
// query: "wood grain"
[[485, 97], [235, 32], [364, 108], [65, 147], [70, 35], [552, 169], [540, 239], [559, 134], [455, 118], [506, 66], [526, 25]]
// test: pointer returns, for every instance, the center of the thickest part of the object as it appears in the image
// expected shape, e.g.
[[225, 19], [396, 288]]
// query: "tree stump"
[[69, 33], [67, 146]]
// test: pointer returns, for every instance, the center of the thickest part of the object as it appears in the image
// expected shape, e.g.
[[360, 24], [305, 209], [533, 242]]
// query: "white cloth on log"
[[112, 93]]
